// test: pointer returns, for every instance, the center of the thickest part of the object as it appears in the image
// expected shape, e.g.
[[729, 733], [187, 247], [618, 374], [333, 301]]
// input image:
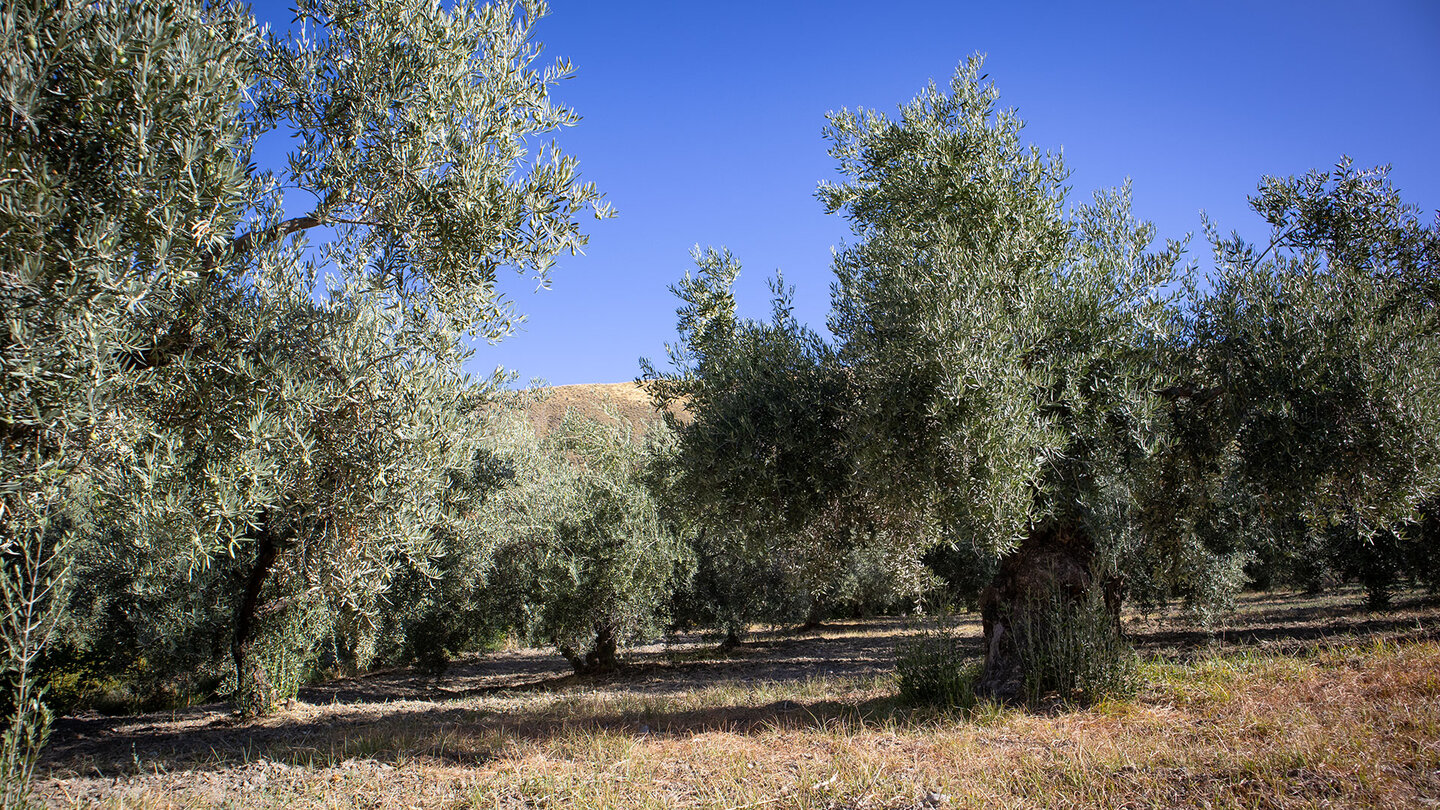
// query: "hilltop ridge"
[[629, 400]]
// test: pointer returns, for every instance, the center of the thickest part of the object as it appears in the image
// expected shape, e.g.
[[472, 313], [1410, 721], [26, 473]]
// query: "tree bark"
[[1053, 561], [254, 694], [814, 617], [600, 658], [574, 659]]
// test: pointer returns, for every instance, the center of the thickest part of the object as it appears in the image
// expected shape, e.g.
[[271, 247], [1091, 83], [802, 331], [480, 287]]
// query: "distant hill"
[[631, 402]]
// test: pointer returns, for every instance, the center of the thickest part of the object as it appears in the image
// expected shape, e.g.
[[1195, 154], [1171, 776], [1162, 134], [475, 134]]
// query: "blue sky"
[[702, 123]]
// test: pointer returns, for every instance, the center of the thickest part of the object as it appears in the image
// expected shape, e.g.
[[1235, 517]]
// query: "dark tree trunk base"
[[600, 659], [814, 619], [732, 642], [254, 694], [1052, 562]]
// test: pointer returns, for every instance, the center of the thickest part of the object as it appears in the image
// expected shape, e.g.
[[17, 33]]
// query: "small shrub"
[[1073, 650], [934, 670], [428, 648]]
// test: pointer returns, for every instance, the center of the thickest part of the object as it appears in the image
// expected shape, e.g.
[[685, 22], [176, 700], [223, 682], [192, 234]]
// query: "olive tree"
[[591, 560], [121, 177], [1307, 411], [323, 461], [764, 473], [332, 419], [453, 603], [1009, 352], [297, 407]]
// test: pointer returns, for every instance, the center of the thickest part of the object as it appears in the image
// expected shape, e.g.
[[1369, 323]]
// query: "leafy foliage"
[[591, 561], [1007, 355], [294, 417], [334, 421], [1307, 415], [415, 122], [120, 179], [764, 471]]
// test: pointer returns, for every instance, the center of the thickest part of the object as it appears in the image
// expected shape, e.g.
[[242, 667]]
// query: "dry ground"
[[599, 401], [1296, 702]]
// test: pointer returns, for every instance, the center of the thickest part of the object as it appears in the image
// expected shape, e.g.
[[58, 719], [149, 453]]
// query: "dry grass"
[[1338, 714], [598, 401]]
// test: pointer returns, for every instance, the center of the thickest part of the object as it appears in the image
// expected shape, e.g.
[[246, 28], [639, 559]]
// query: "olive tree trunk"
[[1048, 578], [254, 694], [600, 658]]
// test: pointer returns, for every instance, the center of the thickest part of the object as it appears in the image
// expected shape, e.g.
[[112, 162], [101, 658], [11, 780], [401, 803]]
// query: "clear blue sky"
[[703, 120]]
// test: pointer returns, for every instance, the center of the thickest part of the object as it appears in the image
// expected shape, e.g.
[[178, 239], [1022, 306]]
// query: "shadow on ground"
[[488, 703]]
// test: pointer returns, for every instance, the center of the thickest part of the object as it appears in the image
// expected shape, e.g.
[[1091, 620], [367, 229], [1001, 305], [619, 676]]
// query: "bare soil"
[[399, 737]]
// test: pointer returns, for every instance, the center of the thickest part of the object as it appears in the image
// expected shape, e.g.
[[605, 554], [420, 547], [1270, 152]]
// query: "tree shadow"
[[773, 656], [399, 712], [1269, 621], [487, 705], [447, 734]]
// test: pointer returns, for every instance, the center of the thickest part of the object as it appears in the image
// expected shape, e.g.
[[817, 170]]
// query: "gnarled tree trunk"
[[600, 658], [1053, 562]]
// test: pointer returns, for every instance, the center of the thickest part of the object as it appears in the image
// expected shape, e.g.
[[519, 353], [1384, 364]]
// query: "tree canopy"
[[233, 397], [1040, 387], [182, 354]]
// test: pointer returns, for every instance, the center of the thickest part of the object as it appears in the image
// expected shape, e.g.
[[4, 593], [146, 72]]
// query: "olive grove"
[[1031, 388], [240, 449]]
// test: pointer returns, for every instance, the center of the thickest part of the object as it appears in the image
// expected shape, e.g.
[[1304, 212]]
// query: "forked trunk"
[[1053, 564]]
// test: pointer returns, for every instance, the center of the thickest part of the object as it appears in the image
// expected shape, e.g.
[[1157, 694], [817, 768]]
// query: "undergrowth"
[[1074, 652], [932, 668]]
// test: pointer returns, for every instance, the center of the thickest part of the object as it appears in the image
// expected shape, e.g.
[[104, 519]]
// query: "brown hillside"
[[628, 400]]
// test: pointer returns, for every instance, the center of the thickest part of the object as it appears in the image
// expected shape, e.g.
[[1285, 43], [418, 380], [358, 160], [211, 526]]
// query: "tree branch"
[[1200, 396], [248, 240]]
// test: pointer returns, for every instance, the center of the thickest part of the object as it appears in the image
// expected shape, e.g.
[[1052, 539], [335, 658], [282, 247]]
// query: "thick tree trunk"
[[814, 617], [601, 657], [1053, 562], [254, 694]]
